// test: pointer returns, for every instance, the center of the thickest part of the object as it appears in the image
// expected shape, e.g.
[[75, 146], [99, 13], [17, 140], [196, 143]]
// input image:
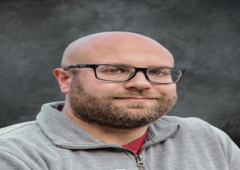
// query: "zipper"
[[139, 159], [75, 148], [140, 163]]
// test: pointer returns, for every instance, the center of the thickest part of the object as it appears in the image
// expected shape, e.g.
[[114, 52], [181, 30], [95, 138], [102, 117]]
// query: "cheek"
[[167, 89], [100, 87]]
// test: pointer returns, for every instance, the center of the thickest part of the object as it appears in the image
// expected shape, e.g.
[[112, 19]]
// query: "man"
[[118, 86]]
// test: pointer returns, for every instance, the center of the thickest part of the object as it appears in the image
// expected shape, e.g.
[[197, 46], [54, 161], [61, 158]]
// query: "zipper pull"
[[139, 161]]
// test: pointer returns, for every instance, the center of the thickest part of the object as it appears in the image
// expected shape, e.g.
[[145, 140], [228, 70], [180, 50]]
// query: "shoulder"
[[200, 131], [18, 130], [21, 130], [191, 124], [14, 129], [196, 133], [19, 144], [185, 121], [21, 136]]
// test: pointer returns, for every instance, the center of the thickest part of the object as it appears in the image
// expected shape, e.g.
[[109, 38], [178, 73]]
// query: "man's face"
[[129, 104], [105, 111]]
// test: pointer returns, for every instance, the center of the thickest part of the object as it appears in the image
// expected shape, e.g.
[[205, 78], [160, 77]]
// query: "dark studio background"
[[203, 36]]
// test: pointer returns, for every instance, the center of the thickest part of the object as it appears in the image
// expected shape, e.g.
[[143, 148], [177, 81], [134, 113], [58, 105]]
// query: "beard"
[[103, 111]]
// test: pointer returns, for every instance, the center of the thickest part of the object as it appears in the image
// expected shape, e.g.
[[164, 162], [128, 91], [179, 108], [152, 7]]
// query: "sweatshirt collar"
[[64, 132]]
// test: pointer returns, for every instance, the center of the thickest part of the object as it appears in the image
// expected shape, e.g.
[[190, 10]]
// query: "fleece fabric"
[[54, 142]]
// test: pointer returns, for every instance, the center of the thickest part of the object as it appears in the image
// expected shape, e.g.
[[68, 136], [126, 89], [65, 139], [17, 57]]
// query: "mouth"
[[135, 99]]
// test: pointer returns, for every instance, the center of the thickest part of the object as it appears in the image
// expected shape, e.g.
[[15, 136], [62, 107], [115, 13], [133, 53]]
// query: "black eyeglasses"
[[120, 73]]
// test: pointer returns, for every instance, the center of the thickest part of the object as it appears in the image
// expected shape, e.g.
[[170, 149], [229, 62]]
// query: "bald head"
[[85, 49]]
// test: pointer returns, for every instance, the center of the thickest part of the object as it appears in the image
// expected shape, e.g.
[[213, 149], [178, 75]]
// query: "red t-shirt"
[[136, 145]]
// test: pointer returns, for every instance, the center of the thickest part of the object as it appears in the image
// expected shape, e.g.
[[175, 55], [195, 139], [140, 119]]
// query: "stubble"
[[105, 112]]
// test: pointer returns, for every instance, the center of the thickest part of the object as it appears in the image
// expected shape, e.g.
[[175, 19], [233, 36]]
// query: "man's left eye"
[[114, 71], [157, 73]]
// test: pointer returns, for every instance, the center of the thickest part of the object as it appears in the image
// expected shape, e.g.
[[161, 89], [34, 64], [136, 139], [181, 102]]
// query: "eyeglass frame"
[[136, 70]]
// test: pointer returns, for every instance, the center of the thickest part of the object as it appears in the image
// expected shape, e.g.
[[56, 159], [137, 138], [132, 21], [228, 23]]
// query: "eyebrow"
[[117, 63]]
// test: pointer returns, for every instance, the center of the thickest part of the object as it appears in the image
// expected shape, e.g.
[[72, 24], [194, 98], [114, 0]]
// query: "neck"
[[107, 134]]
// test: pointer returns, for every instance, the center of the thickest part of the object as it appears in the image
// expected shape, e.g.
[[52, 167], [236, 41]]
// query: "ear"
[[64, 78]]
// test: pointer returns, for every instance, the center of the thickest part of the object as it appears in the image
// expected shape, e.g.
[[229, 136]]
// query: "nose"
[[138, 82]]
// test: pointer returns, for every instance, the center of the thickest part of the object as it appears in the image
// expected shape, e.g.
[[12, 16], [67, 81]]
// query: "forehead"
[[132, 58], [128, 50]]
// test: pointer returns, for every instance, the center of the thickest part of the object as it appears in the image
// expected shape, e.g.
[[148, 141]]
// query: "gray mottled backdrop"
[[203, 35]]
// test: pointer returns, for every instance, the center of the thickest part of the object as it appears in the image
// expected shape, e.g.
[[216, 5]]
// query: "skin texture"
[[114, 48]]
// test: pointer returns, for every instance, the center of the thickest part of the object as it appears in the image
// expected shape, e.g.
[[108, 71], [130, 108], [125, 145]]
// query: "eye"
[[106, 69], [114, 71], [156, 72]]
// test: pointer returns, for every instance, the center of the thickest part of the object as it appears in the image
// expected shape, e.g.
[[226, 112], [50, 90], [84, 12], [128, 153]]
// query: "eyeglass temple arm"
[[183, 71], [74, 66]]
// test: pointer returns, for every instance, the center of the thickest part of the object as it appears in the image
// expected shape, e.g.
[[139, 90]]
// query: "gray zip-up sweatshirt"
[[54, 142]]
